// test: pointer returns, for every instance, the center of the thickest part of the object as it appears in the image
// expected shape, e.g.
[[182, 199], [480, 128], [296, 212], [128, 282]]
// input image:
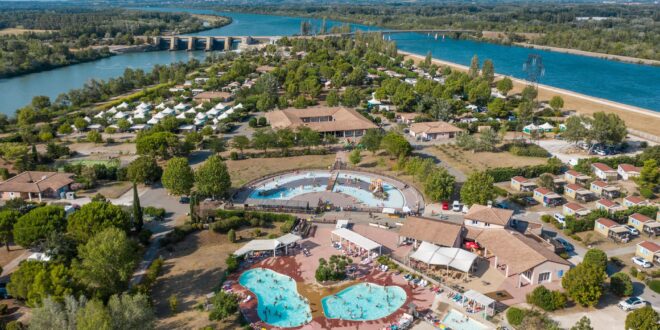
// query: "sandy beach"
[[621, 58], [639, 119]]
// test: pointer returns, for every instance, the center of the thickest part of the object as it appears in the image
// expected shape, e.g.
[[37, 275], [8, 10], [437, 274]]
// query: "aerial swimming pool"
[[279, 303], [352, 184], [364, 302]]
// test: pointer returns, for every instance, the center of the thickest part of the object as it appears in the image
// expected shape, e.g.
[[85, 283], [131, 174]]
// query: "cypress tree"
[[138, 222]]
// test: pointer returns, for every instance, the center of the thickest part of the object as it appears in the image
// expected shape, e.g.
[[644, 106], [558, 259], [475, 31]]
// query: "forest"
[[617, 29], [64, 36]]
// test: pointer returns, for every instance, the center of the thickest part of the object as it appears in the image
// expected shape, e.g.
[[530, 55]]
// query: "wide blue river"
[[633, 84]]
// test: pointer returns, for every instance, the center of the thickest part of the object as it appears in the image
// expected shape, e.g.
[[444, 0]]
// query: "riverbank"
[[621, 58], [640, 119]]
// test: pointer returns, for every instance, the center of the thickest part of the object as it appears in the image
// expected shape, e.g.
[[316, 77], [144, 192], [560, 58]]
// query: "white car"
[[456, 206], [632, 230], [632, 303], [641, 262], [561, 219]]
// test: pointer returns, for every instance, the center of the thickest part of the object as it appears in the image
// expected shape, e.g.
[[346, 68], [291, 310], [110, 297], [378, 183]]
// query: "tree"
[[285, 139], [231, 235], [138, 221], [54, 315], [546, 180], [584, 283], [131, 312], [556, 102], [144, 169], [241, 142], [643, 319], [505, 85], [478, 189], [649, 176], [355, 157], [263, 139], [95, 217], [37, 224], [308, 137], [332, 99], [93, 316], [160, 144], [106, 263], [178, 177], [439, 185], [212, 178], [496, 108], [7, 220], [607, 128], [473, 72], [34, 281], [583, 324], [351, 97], [488, 71], [225, 304], [94, 137], [596, 258], [61, 247], [576, 128], [396, 145], [529, 93], [525, 111], [546, 299], [372, 140], [488, 139], [621, 284], [80, 124]]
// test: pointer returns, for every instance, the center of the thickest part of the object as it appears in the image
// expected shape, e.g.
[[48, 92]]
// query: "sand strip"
[[640, 119]]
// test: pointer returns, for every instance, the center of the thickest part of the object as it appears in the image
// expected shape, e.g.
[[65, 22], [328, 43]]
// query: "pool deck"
[[302, 270], [413, 198]]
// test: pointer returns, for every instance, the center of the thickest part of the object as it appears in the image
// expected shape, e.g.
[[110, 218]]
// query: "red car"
[[445, 205], [472, 245]]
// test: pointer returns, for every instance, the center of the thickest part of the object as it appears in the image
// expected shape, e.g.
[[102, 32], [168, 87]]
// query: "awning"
[[288, 239], [478, 297], [453, 257], [341, 224], [389, 210], [258, 245], [356, 239]]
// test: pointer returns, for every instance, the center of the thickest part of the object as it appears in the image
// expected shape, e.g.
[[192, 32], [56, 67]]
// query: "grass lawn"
[[243, 171], [90, 162], [468, 161], [9, 31], [193, 269]]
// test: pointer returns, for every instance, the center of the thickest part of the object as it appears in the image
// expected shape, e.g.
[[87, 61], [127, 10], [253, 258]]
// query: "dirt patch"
[[243, 171], [9, 31], [468, 162], [193, 269], [8, 256]]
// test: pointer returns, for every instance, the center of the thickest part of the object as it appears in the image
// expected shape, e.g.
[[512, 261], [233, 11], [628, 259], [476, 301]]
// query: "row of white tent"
[[456, 258], [181, 110]]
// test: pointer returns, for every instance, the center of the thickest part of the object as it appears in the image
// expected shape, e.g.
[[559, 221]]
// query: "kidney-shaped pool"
[[364, 302]]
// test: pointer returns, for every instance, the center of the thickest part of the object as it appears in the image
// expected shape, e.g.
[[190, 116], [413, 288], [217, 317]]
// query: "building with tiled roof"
[[36, 184]]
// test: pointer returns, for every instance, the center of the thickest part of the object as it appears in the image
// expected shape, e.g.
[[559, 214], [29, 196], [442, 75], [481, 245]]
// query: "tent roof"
[[288, 239], [479, 297], [546, 126], [257, 245], [453, 257], [356, 238]]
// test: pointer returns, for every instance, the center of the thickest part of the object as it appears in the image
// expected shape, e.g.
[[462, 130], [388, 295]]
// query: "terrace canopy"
[[258, 245], [356, 239], [456, 258], [480, 299]]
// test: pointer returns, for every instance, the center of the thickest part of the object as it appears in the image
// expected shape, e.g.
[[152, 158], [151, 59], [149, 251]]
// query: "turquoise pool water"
[[457, 321], [284, 188], [364, 302], [279, 303]]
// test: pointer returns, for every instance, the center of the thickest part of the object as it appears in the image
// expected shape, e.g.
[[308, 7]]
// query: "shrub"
[[332, 270], [173, 301], [528, 150], [234, 155], [565, 255], [157, 213], [287, 226], [641, 276], [144, 235], [546, 299], [177, 234], [224, 305], [646, 192], [546, 218], [621, 285], [515, 316], [3, 309], [232, 263], [655, 285], [231, 235], [633, 272]]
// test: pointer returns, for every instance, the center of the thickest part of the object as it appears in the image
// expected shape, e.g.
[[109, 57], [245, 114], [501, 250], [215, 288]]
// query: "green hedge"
[[515, 316], [527, 150], [655, 285], [546, 299], [501, 174], [234, 219]]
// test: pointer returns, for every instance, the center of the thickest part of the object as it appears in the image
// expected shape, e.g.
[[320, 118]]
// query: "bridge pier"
[[191, 44], [228, 41], [209, 44], [174, 43]]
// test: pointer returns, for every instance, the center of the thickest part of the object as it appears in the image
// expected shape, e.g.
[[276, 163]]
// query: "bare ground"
[[468, 162], [243, 171]]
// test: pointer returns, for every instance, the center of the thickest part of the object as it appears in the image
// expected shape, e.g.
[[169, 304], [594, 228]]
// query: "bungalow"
[[523, 260], [519, 183], [438, 232], [627, 171], [212, 96], [652, 229], [610, 229], [337, 121], [573, 176], [39, 184], [487, 217], [649, 251], [575, 210], [630, 201], [638, 221], [436, 130], [603, 189], [559, 181], [578, 192], [406, 117], [608, 205], [604, 172], [547, 197]]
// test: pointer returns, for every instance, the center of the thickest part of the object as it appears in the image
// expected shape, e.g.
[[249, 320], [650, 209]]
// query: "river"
[[626, 83]]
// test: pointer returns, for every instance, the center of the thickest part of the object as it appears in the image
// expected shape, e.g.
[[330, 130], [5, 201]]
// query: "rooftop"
[[634, 199], [342, 119], [576, 173], [431, 230], [491, 215], [640, 217], [603, 167], [434, 127], [575, 206], [35, 182], [609, 223], [607, 202], [651, 246], [629, 168]]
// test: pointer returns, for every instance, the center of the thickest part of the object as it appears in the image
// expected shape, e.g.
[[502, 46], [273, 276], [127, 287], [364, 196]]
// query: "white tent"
[[268, 244], [481, 299], [546, 127], [456, 258], [356, 239]]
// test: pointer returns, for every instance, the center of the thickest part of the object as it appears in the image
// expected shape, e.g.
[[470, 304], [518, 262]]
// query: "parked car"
[[456, 206], [632, 230], [632, 303], [3, 291], [560, 218], [641, 262], [445, 205], [529, 201], [567, 246], [184, 200]]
